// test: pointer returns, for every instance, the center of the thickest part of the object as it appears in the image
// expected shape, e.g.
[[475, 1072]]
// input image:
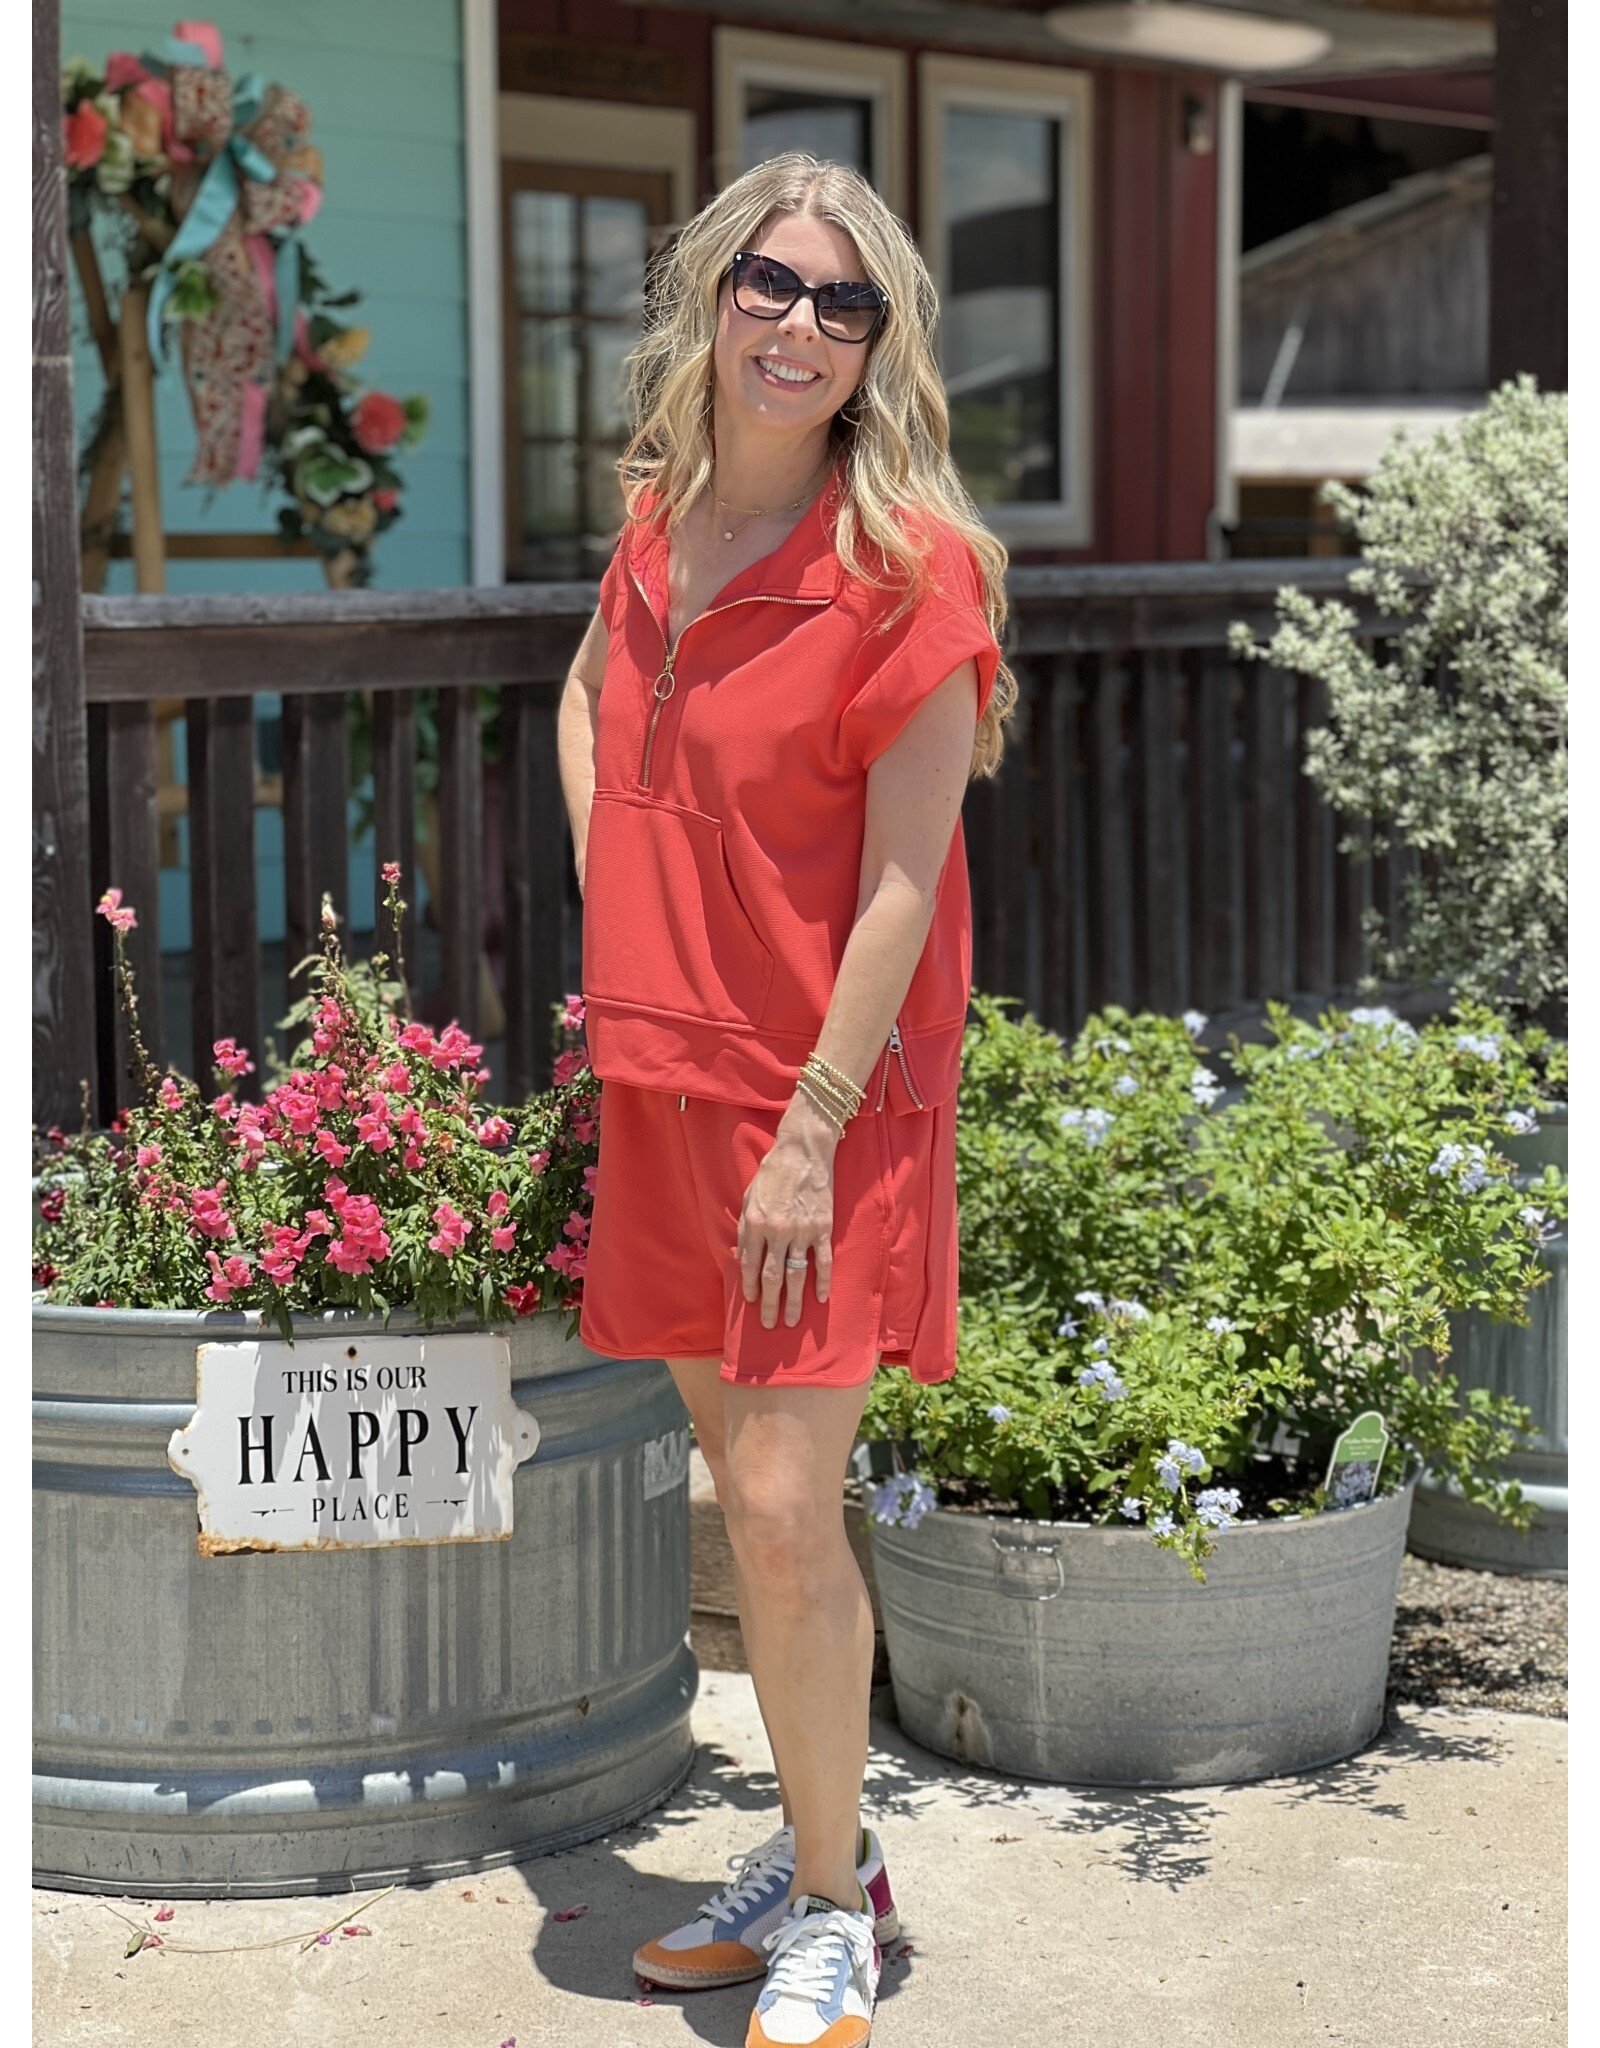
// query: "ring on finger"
[[795, 1262]]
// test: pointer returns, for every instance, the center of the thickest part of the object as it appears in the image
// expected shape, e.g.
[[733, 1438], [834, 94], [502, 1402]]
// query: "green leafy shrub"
[[1160, 1288], [370, 1176], [1463, 540]]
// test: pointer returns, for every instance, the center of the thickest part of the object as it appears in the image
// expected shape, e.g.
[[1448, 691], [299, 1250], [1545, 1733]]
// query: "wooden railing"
[[1150, 839]]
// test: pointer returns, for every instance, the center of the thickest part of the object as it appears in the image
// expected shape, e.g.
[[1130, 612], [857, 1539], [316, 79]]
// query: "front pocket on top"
[[662, 923]]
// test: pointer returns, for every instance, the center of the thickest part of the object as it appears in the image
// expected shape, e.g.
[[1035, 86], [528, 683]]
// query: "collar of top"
[[802, 565]]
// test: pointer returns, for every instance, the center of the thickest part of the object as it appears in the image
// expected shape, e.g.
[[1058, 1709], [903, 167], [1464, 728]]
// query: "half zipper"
[[897, 1048], [670, 655]]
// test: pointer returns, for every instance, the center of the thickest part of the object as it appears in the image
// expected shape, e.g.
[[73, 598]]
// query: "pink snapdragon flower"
[[284, 1249], [573, 1014], [397, 1078], [227, 1278], [117, 914], [171, 1094], [452, 1232], [454, 1049], [391, 872], [231, 1058], [327, 1147], [498, 1203], [297, 1105], [211, 1219], [523, 1299], [362, 1238], [328, 1027], [494, 1130], [568, 1065], [503, 1236], [538, 1161], [145, 1155], [372, 1127]]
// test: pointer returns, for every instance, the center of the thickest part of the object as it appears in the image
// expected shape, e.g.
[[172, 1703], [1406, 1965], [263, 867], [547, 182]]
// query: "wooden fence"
[[1150, 840]]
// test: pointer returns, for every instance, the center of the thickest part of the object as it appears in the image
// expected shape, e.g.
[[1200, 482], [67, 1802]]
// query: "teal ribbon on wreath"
[[215, 204]]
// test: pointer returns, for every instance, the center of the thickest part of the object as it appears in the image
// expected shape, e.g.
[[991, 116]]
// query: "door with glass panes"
[[577, 241]]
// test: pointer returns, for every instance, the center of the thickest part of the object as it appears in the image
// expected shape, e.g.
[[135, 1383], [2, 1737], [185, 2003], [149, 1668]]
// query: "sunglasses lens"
[[850, 312], [764, 287]]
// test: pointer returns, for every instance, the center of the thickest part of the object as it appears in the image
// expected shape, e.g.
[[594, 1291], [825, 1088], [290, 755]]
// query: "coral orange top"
[[724, 854]]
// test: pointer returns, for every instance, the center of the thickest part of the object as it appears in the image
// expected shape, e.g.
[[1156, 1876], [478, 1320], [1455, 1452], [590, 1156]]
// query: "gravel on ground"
[[1479, 1639]]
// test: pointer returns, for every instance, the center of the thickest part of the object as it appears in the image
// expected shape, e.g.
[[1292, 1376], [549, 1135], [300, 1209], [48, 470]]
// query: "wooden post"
[[63, 981], [139, 423], [97, 522], [1528, 216]]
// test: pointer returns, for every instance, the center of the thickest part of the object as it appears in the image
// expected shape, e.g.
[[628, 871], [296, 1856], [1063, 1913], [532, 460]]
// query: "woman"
[[793, 671]]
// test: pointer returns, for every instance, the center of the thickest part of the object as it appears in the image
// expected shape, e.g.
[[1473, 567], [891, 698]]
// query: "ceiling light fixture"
[[1223, 39]]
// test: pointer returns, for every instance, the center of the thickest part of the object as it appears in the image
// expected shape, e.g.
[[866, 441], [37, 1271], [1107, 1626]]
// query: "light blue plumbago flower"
[[1186, 1454], [1168, 1473], [999, 1412], [1092, 1122], [1131, 1505], [1135, 1311], [1484, 1044], [903, 1499], [1101, 1344], [1103, 1045], [1522, 1121], [1447, 1159], [1476, 1173], [1104, 1376], [1125, 1084], [1307, 1049], [1377, 1013], [1220, 1323], [1194, 1022], [919, 1502], [1204, 1087], [1069, 1325], [1092, 1299], [1540, 1222], [1163, 1525], [1217, 1506]]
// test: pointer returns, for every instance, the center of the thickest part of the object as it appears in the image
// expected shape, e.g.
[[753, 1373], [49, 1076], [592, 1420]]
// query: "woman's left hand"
[[788, 1214]]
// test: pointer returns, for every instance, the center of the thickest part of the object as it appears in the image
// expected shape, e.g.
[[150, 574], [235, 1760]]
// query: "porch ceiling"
[[1366, 35]]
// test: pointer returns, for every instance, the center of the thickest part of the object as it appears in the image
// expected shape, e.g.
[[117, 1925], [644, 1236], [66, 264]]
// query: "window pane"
[[1002, 302], [545, 237], [549, 377], [608, 402], [549, 489], [615, 232], [837, 126]]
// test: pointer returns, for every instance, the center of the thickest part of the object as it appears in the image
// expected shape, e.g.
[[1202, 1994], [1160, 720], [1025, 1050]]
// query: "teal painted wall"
[[383, 81]]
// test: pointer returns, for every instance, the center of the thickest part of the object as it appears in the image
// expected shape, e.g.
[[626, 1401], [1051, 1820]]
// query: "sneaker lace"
[[754, 1875], [806, 1950]]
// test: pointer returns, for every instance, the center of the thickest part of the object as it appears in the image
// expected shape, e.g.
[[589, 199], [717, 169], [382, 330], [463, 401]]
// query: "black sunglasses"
[[845, 310]]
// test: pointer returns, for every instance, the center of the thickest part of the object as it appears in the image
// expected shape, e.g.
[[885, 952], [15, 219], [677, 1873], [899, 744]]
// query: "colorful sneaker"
[[822, 1980], [722, 1944]]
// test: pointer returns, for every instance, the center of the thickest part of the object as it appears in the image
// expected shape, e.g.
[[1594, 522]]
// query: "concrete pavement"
[[1414, 1893]]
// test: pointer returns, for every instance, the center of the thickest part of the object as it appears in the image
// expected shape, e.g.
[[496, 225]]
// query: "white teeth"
[[788, 374]]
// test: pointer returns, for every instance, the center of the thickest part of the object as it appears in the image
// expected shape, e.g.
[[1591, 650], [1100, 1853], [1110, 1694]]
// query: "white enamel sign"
[[336, 1442]]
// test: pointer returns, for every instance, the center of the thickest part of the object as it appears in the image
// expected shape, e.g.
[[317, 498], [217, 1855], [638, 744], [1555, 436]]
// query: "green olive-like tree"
[[1452, 738]]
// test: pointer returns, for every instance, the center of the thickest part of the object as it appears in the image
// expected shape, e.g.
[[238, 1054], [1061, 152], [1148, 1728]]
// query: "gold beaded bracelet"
[[808, 1086], [833, 1082]]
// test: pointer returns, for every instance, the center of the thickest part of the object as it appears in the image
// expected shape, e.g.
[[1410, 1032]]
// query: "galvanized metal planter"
[[315, 1721], [1528, 1362], [1086, 1655]]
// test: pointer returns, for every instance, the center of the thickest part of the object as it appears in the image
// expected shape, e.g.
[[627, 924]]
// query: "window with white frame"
[[1005, 222], [843, 101]]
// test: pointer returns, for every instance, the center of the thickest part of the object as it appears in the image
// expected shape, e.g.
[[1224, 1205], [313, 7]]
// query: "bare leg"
[[699, 1382], [806, 1616]]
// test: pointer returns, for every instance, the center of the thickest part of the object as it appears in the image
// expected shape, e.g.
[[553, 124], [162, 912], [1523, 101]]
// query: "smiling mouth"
[[785, 373]]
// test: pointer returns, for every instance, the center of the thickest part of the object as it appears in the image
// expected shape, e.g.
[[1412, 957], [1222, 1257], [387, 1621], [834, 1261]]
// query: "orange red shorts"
[[662, 1277]]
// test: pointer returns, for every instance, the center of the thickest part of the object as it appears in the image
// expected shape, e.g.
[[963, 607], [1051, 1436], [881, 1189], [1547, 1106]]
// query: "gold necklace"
[[760, 512]]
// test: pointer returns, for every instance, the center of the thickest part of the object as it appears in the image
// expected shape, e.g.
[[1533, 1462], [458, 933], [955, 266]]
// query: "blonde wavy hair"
[[894, 432]]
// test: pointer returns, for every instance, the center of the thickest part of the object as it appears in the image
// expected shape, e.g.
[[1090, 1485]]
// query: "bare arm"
[[577, 718], [914, 792]]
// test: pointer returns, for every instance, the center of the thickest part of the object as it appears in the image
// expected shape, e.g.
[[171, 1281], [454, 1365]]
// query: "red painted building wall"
[[1154, 374]]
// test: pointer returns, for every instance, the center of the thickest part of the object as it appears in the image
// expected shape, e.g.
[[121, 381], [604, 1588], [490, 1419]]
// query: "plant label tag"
[[1357, 1456], [342, 1442]]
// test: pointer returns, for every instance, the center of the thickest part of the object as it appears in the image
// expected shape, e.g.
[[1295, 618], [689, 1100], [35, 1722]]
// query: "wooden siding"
[[383, 81]]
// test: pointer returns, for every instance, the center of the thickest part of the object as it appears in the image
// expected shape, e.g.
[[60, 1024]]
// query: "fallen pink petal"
[[355, 1929], [570, 1913], [165, 1913], [323, 1940]]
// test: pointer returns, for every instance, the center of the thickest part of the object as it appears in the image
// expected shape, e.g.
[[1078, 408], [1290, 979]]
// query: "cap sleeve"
[[921, 650], [611, 582]]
